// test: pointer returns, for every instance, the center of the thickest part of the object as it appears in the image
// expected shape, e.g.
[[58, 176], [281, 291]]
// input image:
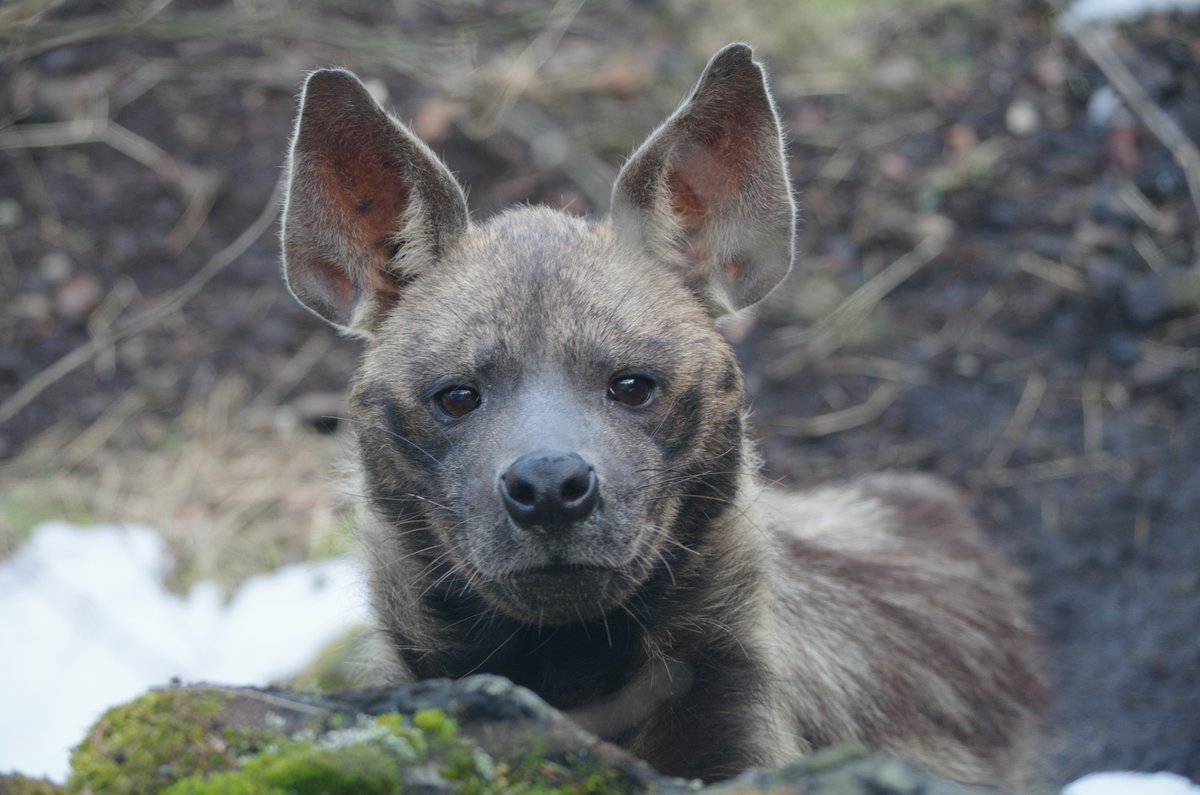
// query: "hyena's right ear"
[[709, 193], [369, 207]]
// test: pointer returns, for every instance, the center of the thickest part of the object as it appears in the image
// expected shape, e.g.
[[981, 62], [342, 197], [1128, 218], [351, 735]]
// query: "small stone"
[[55, 267], [1103, 106], [78, 296], [1022, 118], [10, 214]]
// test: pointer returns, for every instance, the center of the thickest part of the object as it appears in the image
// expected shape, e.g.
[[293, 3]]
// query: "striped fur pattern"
[[703, 621]]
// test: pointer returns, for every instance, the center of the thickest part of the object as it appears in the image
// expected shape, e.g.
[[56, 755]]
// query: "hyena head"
[[545, 412]]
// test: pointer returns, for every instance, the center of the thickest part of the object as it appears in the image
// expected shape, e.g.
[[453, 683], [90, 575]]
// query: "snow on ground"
[[1131, 784], [1082, 12], [88, 624]]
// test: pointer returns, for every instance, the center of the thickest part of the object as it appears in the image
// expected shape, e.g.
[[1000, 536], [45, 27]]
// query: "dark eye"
[[632, 390], [458, 401]]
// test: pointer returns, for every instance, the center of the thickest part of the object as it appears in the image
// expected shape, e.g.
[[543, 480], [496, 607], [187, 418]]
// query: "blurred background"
[[997, 277]]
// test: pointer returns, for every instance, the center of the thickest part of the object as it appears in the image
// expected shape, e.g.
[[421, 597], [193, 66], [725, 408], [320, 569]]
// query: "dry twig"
[[151, 316], [831, 332], [1059, 469], [843, 420], [1027, 407], [1051, 271], [197, 187], [1096, 44]]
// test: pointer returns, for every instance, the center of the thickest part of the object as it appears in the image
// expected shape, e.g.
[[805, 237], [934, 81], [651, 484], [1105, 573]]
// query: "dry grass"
[[234, 489]]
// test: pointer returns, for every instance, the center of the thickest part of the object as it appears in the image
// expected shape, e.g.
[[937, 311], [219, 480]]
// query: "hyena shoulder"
[[936, 658]]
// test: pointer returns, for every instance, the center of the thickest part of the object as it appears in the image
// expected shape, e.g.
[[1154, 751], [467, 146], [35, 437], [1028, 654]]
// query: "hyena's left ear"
[[709, 190], [369, 207]]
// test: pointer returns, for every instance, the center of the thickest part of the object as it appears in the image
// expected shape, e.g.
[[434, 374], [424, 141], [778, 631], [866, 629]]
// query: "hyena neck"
[[569, 666]]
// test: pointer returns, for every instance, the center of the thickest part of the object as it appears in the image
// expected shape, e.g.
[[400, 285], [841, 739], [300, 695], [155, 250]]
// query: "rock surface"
[[480, 735]]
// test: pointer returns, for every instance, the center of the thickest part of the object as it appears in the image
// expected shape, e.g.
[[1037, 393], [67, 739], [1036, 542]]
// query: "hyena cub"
[[560, 485]]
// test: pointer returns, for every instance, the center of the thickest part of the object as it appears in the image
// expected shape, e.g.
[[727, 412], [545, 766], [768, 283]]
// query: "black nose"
[[548, 488]]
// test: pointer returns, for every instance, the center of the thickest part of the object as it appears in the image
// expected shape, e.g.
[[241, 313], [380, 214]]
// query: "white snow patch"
[[88, 624], [1131, 784], [1087, 12]]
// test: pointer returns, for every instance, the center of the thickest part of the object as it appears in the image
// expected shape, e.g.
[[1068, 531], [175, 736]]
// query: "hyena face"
[[546, 414], [551, 400]]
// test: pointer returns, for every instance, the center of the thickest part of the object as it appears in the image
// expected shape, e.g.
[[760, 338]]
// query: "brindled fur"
[[704, 621]]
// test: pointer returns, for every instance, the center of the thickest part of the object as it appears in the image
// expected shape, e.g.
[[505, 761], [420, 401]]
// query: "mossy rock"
[[149, 744], [479, 736], [205, 741]]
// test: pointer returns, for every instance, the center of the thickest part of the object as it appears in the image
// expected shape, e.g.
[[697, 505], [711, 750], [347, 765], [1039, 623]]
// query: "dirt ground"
[[997, 278]]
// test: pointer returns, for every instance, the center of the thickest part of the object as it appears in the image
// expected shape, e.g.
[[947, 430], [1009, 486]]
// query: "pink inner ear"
[[709, 174], [370, 194]]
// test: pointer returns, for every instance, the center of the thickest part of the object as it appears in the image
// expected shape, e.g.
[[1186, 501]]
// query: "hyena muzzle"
[[559, 486]]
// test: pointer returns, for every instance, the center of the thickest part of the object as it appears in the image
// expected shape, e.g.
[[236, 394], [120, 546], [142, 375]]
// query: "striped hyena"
[[561, 489]]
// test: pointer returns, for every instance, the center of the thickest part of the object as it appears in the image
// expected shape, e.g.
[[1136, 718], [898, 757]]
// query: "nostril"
[[520, 491], [577, 486]]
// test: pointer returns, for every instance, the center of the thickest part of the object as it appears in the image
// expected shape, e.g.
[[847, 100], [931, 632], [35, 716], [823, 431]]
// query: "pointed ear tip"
[[325, 79], [736, 59], [736, 53]]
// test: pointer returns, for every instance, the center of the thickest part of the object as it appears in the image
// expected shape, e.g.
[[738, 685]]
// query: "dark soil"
[[1048, 358]]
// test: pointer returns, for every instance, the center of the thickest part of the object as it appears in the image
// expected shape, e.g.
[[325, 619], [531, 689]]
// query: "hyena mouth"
[[564, 593]]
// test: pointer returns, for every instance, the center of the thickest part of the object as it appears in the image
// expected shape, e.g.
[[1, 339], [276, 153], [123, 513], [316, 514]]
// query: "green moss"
[[15, 784], [304, 768], [474, 772], [367, 757], [436, 724], [175, 742], [150, 743], [575, 775]]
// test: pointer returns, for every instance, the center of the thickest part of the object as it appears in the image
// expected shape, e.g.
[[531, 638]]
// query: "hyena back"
[[560, 487]]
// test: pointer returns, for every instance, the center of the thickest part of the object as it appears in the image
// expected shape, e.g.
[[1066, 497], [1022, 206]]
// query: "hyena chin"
[[559, 485]]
